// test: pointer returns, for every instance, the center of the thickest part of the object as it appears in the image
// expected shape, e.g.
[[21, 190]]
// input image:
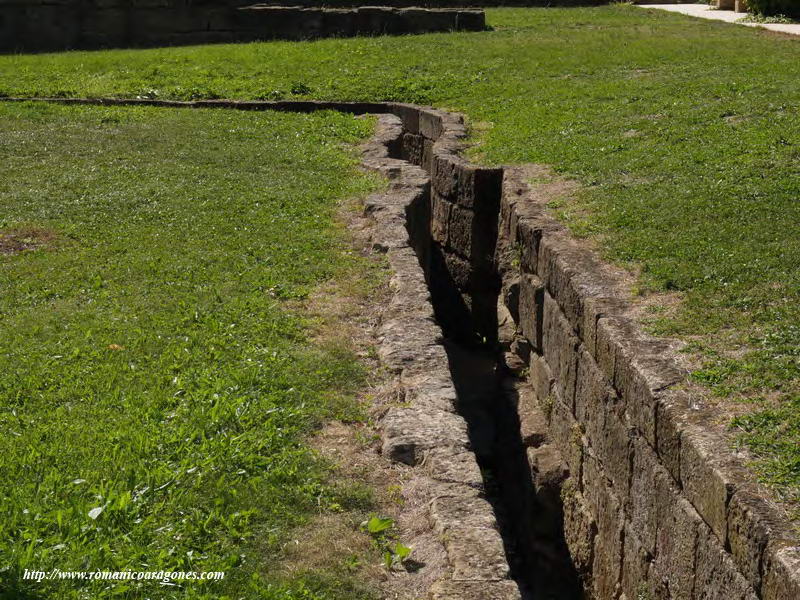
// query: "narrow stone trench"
[[530, 519], [529, 515]]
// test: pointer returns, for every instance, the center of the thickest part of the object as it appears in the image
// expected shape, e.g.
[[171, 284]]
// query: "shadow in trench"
[[532, 527]]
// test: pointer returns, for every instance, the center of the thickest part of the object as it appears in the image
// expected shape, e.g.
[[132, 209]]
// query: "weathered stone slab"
[[542, 379], [461, 223], [781, 572], [716, 575], [642, 499], [440, 219], [467, 590], [409, 431], [635, 565], [748, 533], [567, 435], [580, 529], [678, 525], [705, 482], [560, 347], [451, 464], [530, 310], [476, 554], [450, 512], [606, 579]]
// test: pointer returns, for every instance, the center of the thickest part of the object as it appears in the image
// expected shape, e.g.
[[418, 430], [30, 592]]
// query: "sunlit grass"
[[155, 391]]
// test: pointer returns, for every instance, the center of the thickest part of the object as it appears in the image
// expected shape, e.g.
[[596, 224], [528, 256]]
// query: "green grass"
[[684, 132], [149, 365]]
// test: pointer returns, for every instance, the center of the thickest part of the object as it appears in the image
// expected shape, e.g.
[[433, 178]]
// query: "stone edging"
[[43, 25], [620, 410], [425, 430], [672, 471]]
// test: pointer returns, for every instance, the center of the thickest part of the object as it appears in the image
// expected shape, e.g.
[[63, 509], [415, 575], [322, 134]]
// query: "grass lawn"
[[685, 134], [156, 390]]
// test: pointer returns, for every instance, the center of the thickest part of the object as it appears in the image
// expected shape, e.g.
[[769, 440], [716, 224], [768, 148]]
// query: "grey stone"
[[717, 577], [530, 309], [678, 525], [476, 554], [781, 573], [474, 590], [705, 482], [559, 346], [407, 432], [449, 512], [580, 529]]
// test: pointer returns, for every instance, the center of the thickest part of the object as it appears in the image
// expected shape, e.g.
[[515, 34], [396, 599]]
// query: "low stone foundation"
[[48, 25]]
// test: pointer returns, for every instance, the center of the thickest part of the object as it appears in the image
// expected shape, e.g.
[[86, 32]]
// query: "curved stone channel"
[[557, 449]]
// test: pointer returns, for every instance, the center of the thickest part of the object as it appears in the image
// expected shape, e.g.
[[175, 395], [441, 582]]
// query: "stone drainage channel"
[[487, 393], [468, 416], [545, 435]]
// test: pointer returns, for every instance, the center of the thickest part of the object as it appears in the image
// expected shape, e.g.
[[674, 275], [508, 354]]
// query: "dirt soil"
[[14, 241]]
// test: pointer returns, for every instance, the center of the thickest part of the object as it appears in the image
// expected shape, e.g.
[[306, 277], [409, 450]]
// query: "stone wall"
[[451, 3], [50, 25], [655, 503]]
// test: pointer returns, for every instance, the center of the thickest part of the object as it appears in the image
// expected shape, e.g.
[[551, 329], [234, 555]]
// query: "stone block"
[[474, 590], [479, 188], [408, 432], [561, 266], [641, 372], [339, 22], [678, 525], [594, 309], [510, 296], [716, 575], [462, 221], [609, 331], [749, 529], [430, 123], [412, 148], [448, 464], [476, 554], [566, 434], [670, 409], [591, 390], [450, 512], [610, 437], [548, 472], [470, 20], [604, 504], [427, 155], [533, 422], [376, 20], [781, 572], [635, 565], [529, 234], [541, 378], [580, 529], [409, 115], [560, 345], [459, 271], [706, 483], [641, 500], [531, 306], [440, 218]]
